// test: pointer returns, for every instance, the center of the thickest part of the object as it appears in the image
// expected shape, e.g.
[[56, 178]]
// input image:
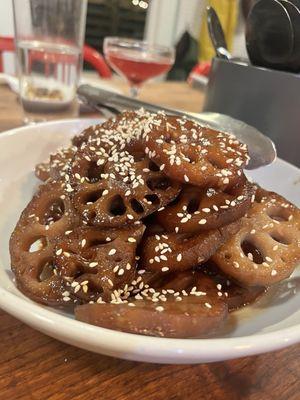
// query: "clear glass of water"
[[49, 37]]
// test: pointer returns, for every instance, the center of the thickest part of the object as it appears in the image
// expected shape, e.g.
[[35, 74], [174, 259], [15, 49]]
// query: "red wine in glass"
[[137, 61]]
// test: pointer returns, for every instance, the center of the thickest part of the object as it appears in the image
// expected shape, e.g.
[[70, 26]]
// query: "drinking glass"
[[49, 38], [137, 60]]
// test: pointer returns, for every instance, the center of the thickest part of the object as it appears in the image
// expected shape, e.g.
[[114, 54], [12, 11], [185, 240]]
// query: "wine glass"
[[137, 60]]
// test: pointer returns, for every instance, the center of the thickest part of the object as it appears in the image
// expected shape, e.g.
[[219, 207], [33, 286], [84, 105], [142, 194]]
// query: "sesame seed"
[[112, 252], [131, 240], [186, 178], [110, 282], [236, 264], [165, 269], [202, 221], [58, 252], [115, 269], [85, 288], [265, 264], [83, 242], [273, 272], [159, 309], [93, 264], [77, 288], [208, 305], [179, 257]]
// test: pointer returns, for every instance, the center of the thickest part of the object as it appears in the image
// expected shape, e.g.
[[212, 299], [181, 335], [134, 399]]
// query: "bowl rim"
[[134, 346]]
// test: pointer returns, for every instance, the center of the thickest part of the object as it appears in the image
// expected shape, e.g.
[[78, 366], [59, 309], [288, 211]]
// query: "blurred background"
[[169, 22]]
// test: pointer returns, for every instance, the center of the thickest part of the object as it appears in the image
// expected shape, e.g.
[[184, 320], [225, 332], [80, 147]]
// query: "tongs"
[[261, 149]]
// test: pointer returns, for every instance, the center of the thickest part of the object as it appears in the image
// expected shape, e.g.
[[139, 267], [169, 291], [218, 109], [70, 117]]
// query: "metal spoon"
[[261, 149], [216, 34]]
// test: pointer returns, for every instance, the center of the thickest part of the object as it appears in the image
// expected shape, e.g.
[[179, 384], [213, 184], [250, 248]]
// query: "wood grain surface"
[[36, 367]]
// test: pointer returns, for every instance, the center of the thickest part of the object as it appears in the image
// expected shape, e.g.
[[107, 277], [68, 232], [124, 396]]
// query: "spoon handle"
[[216, 34]]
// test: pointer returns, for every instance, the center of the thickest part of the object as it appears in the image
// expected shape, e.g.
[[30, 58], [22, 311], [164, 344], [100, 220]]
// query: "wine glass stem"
[[134, 91]]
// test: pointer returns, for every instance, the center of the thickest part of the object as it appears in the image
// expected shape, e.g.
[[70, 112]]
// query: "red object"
[[90, 55], [136, 70], [202, 68], [94, 58]]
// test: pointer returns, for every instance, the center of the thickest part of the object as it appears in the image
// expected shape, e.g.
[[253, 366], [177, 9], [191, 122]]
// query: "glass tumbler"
[[49, 37]]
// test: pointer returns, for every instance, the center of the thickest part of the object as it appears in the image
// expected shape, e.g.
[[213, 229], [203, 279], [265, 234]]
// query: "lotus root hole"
[[117, 206], [250, 248], [97, 242], [280, 238], [136, 206], [46, 271], [117, 259], [94, 172], [158, 183], [92, 197], [139, 156], [193, 205], [152, 198], [278, 214], [54, 212], [258, 196], [167, 139], [192, 157], [153, 166], [36, 244]]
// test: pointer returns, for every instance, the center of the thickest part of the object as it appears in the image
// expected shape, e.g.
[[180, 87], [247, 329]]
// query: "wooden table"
[[36, 367]]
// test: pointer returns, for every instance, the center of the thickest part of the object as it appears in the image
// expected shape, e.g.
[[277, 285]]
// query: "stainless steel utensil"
[[261, 149], [216, 34]]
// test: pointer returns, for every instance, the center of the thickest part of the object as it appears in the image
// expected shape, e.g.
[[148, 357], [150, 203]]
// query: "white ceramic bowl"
[[270, 324]]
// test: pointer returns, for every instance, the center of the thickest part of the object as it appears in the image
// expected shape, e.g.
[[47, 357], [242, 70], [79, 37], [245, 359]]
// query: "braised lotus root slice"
[[194, 154], [57, 166], [94, 263], [237, 296], [179, 252], [48, 215], [266, 250], [200, 313], [120, 188], [127, 126], [197, 209]]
